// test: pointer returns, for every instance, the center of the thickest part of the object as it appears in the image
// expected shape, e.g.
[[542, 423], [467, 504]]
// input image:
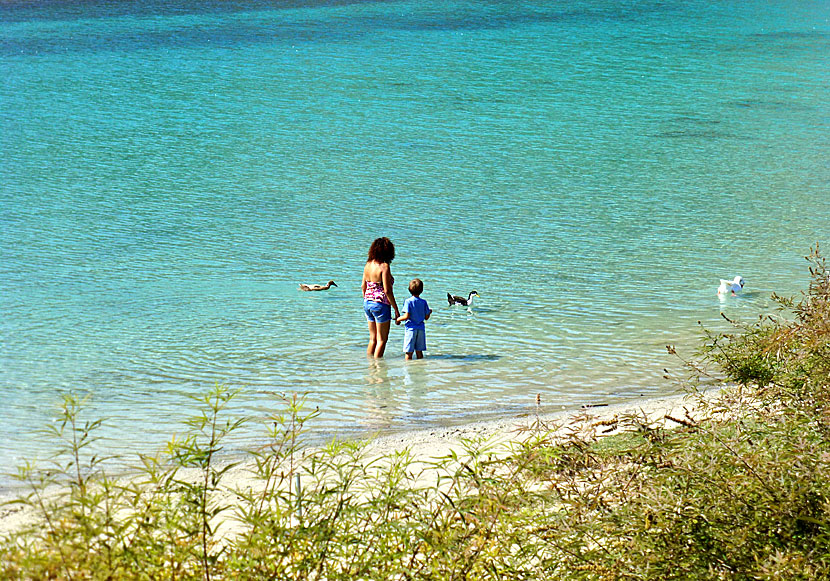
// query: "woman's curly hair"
[[382, 250]]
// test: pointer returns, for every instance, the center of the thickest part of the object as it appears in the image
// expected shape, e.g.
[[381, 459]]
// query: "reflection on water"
[[378, 371], [378, 396], [416, 378], [398, 392], [755, 300], [409, 371]]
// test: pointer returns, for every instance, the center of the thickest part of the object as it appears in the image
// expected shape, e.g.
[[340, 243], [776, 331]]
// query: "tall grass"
[[736, 488]]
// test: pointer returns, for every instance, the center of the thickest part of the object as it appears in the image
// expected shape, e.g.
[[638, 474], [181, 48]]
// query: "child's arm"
[[429, 312], [402, 318]]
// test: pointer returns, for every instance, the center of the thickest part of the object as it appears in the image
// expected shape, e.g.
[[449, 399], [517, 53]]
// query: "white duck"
[[733, 286]]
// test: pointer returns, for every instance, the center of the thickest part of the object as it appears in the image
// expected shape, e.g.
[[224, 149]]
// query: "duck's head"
[[332, 283], [474, 294], [739, 280]]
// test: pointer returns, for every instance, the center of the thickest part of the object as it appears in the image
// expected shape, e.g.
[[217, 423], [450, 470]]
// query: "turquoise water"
[[172, 170]]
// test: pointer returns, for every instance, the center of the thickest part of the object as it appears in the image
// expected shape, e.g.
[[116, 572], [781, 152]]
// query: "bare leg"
[[382, 337], [373, 339], [419, 354], [407, 356]]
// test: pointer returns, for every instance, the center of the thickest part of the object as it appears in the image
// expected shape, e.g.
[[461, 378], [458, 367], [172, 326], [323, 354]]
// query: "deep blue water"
[[171, 171]]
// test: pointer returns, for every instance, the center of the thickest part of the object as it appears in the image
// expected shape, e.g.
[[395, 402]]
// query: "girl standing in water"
[[378, 298]]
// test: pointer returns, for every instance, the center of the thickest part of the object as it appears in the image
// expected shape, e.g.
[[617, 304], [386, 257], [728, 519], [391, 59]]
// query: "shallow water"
[[171, 171]]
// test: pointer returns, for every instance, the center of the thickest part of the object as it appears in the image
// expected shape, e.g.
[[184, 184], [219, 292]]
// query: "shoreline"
[[431, 443], [442, 440]]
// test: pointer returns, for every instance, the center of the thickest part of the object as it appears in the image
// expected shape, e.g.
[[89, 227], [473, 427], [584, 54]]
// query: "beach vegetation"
[[736, 486]]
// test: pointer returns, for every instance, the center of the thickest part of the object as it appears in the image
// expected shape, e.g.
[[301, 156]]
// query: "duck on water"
[[733, 286], [317, 287], [457, 300]]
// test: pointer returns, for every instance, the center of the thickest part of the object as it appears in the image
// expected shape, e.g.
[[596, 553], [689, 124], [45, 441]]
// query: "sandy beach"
[[429, 444], [439, 442]]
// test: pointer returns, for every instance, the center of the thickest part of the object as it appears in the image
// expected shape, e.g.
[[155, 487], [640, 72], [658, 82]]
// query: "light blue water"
[[171, 171]]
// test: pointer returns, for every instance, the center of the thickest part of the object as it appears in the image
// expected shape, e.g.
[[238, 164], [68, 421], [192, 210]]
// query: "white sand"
[[438, 442]]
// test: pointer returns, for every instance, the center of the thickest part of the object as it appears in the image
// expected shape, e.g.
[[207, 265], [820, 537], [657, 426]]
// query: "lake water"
[[172, 170]]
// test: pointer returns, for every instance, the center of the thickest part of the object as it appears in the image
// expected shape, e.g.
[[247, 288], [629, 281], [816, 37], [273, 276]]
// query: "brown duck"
[[317, 287]]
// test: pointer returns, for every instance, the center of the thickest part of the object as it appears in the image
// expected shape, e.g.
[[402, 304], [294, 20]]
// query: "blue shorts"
[[414, 340], [377, 312]]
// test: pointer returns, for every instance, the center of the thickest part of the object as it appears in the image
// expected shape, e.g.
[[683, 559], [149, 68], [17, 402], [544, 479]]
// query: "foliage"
[[738, 488]]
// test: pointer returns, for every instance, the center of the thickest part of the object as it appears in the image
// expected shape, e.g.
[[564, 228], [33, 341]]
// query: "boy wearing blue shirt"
[[415, 312]]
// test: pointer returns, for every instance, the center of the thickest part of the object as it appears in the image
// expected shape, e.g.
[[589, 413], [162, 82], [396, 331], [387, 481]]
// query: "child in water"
[[415, 312]]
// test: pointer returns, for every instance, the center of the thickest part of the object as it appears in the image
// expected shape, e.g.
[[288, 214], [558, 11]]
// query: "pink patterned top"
[[374, 292]]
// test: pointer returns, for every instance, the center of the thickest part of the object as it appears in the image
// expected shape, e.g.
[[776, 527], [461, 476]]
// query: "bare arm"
[[386, 277], [402, 318], [429, 312]]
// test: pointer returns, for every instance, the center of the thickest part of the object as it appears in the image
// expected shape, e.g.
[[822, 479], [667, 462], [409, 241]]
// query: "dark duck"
[[457, 300]]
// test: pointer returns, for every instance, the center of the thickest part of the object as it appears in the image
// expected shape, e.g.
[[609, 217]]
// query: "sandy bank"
[[437, 442]]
